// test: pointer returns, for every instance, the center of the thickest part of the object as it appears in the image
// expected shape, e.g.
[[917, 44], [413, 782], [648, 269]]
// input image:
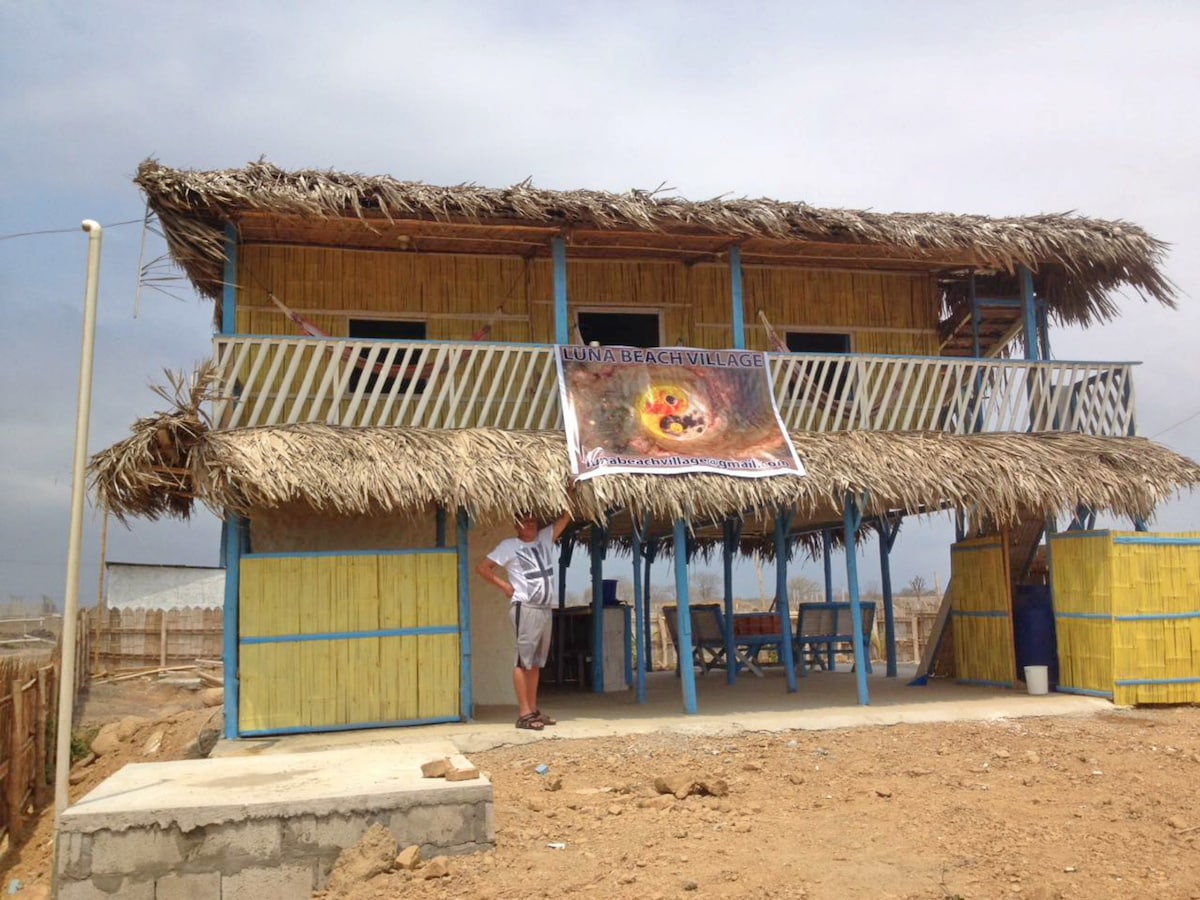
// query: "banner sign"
[[671, 410]]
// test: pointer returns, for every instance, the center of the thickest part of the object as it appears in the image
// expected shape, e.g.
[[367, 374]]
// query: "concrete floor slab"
[[824, 700]]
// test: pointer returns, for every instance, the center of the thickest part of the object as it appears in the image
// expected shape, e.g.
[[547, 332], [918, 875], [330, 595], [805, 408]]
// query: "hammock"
[[350, 356]]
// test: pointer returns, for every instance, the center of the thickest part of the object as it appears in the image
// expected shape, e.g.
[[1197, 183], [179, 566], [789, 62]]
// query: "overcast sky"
[[976, 107]]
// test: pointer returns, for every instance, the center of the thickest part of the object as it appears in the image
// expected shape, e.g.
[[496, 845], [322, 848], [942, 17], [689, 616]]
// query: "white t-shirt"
[[530, 567]]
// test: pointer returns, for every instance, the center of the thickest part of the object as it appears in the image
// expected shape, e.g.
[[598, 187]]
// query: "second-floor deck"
[[441, 384]]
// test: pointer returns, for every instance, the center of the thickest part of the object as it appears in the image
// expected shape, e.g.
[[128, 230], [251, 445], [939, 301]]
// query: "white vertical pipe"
[[66, 683]]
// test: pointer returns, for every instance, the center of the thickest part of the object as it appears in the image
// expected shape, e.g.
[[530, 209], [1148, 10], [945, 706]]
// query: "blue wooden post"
[[827, 554], [562, 326], [232, 552], [683, 609], [739, 311], [976, 314], [596, 546], [639, 613], [466, 709], [566, 551], [1029, 312], [887, 537], [1044, 329], [783, 521], [229, 288], [727, 547], [852, 518], [652, 546]]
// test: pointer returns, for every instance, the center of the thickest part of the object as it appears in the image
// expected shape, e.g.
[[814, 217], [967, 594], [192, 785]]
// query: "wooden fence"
[[28, 726], [144, 638]]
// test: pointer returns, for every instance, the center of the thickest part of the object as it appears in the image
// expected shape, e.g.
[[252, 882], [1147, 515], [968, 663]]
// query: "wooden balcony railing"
[[433, 384]]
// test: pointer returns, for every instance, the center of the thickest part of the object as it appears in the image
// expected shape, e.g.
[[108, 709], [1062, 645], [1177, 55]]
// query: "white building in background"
[[139, 586]]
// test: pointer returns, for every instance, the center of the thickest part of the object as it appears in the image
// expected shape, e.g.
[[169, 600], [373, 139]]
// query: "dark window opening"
[[824, 343], [384, 330], [620, 329]]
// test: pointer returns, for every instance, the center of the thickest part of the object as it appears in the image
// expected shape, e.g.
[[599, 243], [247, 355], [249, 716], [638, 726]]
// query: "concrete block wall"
[[256, 859]]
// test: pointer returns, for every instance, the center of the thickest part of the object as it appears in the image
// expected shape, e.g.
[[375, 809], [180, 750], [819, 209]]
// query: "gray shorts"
[[532, 625]]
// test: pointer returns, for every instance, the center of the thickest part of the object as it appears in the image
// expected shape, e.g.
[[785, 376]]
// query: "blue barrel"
[[1033, 630], [610, 591]]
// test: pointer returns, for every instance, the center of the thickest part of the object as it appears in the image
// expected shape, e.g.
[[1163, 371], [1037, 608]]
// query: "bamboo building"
[[382, 400]]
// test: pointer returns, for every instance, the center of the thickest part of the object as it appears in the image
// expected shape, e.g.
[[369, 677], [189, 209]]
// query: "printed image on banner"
[[671, 410]]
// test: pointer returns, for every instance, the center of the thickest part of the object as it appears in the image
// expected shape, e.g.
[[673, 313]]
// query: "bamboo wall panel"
[[1081, 585], [457, 295], [1130, 604], [339, 681], [454, 295], [982, 612]]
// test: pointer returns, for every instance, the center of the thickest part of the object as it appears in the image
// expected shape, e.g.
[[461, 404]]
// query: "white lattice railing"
[[431, 384]]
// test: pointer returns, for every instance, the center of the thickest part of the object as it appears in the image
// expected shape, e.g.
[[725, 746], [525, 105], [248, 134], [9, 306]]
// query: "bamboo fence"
[[28, 727]]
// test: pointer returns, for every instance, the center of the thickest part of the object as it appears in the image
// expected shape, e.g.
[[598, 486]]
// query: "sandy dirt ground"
[[1096, 806]]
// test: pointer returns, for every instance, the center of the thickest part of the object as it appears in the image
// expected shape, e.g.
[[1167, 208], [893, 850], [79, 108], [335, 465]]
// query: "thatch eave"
[[1077, 261], [497, 474]]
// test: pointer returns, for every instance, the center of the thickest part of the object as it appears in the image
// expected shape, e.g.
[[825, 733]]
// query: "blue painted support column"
[[731, 534], [783, 521], [1028, 312], [639, 613], [232, 551], [976, 315], [827, 555], [466, 708], [687, 671], [229, 288], [851, 519], [596, 547], [562, 325], [1043, 318], [739, 310], [887, 537], [651, 551], [565, 550]]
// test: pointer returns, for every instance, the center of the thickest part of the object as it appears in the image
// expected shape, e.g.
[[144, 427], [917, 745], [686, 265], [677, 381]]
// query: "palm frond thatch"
[[1078, 261], [497, 474]]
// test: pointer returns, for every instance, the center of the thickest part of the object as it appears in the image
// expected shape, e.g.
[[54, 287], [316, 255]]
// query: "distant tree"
[[49, 607], [804, 590], [705, 587], [918, 586]]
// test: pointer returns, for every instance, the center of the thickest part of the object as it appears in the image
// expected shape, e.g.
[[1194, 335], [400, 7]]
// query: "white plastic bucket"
[[1037, 679]]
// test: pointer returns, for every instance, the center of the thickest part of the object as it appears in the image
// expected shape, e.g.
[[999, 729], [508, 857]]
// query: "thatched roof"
[[497, 474], [1077, 261]]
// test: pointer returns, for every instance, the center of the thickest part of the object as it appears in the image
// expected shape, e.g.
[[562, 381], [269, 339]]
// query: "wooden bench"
[[821, 628]]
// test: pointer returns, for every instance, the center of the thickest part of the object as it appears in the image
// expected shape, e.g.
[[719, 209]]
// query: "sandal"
[[530, 722], [545, 719]]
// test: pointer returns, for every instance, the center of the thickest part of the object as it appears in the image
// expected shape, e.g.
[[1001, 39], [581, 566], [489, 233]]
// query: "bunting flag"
[[671, 410]]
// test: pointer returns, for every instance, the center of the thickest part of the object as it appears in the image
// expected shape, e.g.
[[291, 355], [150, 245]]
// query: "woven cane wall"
[[1127, 613], [326, 654], [982, 612], [457, 295]]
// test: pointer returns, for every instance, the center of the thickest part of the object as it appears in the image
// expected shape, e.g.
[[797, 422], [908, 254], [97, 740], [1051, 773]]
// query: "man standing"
[[529, 561]]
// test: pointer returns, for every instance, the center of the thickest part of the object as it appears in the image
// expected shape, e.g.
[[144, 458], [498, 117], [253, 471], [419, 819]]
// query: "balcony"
[[440, 384]]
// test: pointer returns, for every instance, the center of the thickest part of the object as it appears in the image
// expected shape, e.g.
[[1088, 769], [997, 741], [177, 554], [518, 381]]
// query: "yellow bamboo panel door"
[[1156, 618], [982, 612], [1081, 581], [333, 641]]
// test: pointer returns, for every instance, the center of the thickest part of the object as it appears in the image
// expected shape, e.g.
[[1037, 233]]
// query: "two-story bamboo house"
[[383, 399]]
